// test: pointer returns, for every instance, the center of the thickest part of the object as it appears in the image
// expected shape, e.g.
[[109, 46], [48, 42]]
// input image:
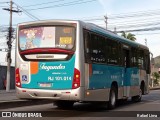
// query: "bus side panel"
[[100, 78], [146, 78], [131, 82], [147, 83], [103, 76]]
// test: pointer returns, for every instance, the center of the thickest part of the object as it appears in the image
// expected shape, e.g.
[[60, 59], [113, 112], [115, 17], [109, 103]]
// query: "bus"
[[70, 61]]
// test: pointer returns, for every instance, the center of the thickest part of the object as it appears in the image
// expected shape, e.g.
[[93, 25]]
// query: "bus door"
[[126, 80]]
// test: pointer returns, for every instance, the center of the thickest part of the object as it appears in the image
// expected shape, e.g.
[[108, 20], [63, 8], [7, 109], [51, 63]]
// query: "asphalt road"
[[147, 109]]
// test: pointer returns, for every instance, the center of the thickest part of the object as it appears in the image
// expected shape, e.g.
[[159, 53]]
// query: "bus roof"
[[113, 36], [47, 22]]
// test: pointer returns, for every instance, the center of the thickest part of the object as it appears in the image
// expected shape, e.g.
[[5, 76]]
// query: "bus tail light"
[[76, 79], [18, 82]]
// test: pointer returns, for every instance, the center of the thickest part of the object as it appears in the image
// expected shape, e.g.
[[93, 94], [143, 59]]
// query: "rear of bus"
[[46, 56]]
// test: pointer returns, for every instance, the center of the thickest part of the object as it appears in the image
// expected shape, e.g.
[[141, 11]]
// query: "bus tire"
[[137, 98], [64, 104], [112, 98]]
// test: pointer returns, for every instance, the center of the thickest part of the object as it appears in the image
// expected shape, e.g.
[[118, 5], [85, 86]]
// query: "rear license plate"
[[45, 84]]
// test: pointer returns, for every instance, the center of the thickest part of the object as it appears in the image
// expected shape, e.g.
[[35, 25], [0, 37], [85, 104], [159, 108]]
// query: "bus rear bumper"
[[73, 95]]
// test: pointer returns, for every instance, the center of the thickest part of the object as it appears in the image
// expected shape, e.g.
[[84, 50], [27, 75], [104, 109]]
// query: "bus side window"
[[141, 59], [87, 46], [113, 52], [94, 46], [134, 57], [98, 49]]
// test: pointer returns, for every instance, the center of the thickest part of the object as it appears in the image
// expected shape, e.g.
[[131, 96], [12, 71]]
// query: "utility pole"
[[106, 20], [145, 41], [9, 43], [115, 30]]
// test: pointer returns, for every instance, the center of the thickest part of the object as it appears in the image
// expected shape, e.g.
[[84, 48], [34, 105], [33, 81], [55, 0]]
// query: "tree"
[[129, 36], [156, 77]]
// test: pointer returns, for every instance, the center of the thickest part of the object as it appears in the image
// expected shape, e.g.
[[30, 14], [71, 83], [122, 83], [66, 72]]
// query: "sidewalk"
[[9, 100], [155, 88], [8, 96]]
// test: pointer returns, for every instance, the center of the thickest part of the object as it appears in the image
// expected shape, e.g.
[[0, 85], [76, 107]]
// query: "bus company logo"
[[43, 66]]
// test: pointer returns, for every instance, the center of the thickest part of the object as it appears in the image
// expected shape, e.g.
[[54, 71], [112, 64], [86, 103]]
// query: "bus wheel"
[[112, 98], [64, 104], [138, 97]]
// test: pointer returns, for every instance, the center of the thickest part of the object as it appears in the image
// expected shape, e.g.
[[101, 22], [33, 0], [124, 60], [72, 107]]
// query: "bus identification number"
[[59, 78]]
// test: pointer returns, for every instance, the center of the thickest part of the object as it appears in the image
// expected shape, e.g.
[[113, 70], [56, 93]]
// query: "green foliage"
[[156, 77], [129, 36]]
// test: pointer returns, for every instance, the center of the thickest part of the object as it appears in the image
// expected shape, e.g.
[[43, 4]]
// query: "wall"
[[3, 75]]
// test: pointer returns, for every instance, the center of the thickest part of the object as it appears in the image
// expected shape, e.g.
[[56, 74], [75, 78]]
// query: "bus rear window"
[[47, 37]]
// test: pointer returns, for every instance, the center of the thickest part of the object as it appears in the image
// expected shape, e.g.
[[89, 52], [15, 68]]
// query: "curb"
[[4, 91], [20, 103], [155, 88]]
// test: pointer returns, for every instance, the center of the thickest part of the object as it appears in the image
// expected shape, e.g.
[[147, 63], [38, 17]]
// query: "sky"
[[85, 9]]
